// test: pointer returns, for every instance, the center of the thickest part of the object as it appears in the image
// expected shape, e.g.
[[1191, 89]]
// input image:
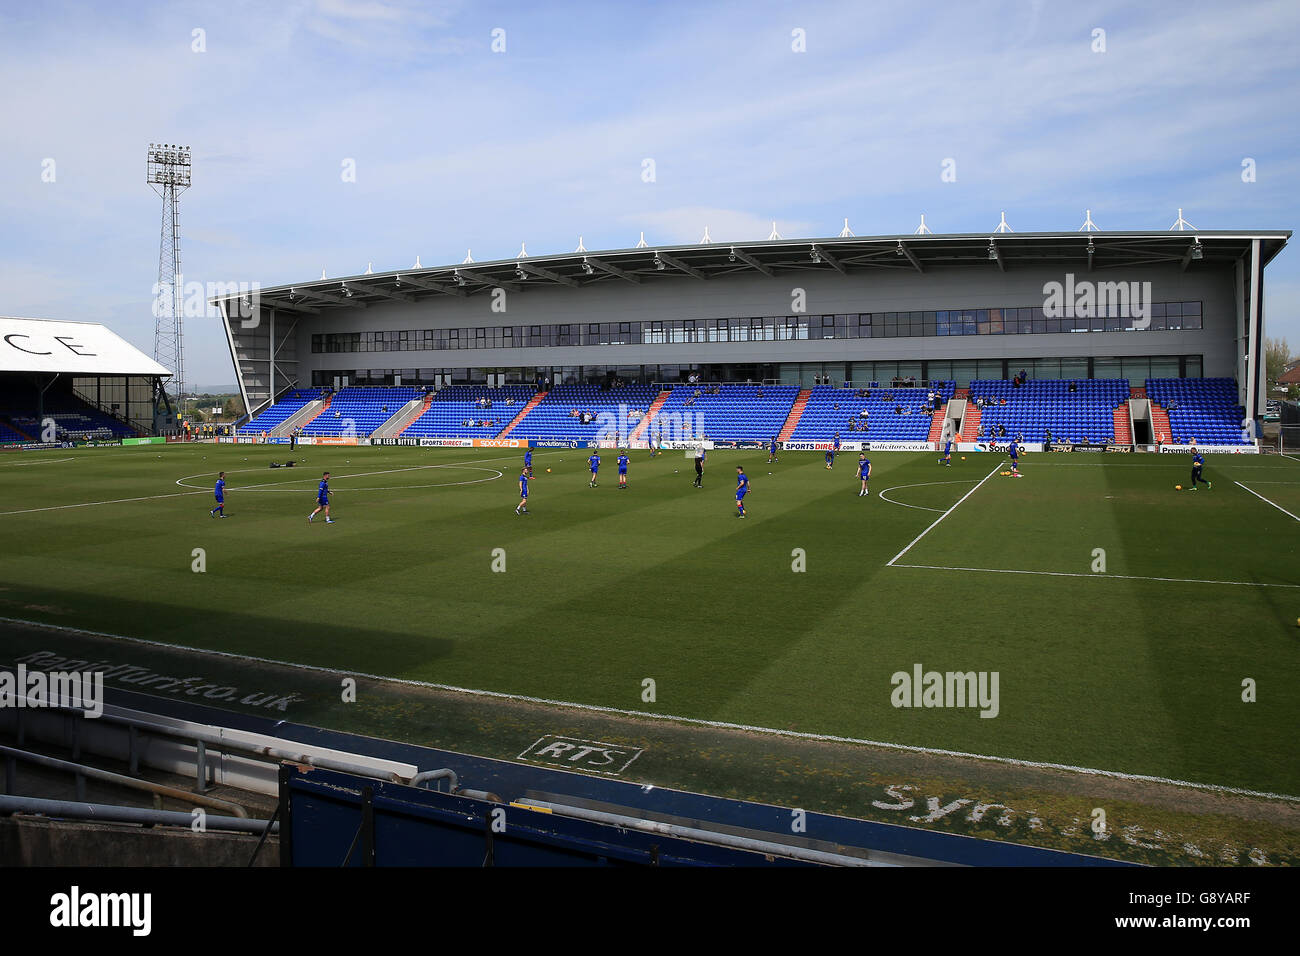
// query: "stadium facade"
[[1078, 305]]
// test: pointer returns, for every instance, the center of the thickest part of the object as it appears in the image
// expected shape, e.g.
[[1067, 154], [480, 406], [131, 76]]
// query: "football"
[[1178, 487], [548, 471]]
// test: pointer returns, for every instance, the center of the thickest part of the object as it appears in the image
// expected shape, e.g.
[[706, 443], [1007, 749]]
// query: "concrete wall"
[[36, 841]]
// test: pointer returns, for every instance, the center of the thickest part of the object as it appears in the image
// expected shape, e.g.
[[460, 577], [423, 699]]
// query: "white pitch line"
[[920, 484], [363, 474], [110, 501], [28, 464], [1075, 574], [944, 515], [696, 721], [202, 491], [1266, 501]]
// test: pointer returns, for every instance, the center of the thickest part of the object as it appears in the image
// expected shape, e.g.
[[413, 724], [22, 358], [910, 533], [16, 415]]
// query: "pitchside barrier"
[[1291, 445], [342, 809]]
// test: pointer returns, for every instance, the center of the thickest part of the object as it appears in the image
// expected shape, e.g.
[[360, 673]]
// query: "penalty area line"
[[944, 515], [671, 718], [1266, 501]]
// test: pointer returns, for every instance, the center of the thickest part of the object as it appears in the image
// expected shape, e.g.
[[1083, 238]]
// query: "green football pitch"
[[1132, 627]]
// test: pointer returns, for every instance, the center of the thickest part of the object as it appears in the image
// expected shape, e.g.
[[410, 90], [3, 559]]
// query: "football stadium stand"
[[1200, 409], [7, 434], [732, 412], [892, 414], [360, 409], [554, 416], [1074, 411], [473, 411], [74, 419], [289, 403]]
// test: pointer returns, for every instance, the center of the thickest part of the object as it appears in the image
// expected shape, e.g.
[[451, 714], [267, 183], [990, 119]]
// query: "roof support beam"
[[531, 269], [911, 256], [750, 261], [819, 254], [292, 306], [319, 296], [485, 280], [678, 264], [420, 283], [591, 262], [357, 289]]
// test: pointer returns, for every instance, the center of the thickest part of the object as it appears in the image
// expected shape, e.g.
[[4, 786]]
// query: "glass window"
[[1164, 366], [1107, 368]]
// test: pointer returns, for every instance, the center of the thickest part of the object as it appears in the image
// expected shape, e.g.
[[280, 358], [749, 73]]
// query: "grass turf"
[[605, 588]]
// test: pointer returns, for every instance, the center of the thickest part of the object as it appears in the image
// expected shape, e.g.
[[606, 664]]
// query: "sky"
[[335, 134]]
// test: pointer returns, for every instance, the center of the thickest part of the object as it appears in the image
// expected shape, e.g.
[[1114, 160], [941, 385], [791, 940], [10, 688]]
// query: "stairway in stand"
[[970, 424], [532, 403], [302, 426], [936, 424], [1160, 429], [428, 400], [651, 412], [1123, 434], [796, 412]]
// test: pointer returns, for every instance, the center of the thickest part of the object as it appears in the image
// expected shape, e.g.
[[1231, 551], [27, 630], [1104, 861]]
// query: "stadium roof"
[[1085, 251], [79, 348]]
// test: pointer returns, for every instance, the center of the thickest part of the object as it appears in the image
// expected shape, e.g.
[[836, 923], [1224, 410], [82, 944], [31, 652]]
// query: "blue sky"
[[458, 147]]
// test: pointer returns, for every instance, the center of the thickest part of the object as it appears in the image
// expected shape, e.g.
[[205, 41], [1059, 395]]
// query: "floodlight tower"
[[168, 172]]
